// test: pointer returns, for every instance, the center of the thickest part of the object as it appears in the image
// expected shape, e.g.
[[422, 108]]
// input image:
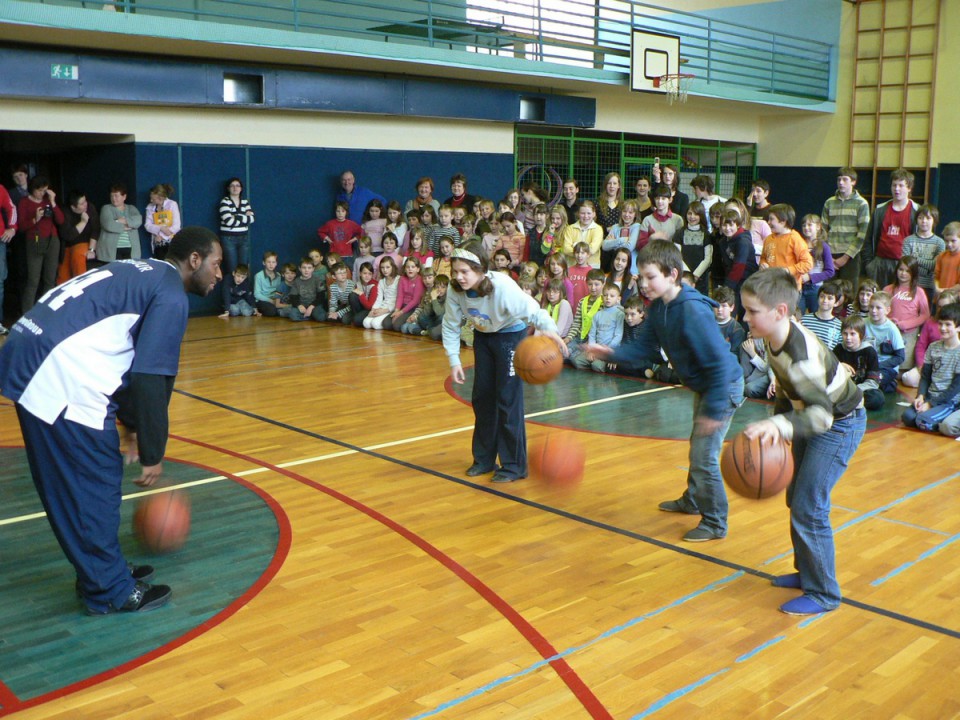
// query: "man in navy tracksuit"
[[102, 346]]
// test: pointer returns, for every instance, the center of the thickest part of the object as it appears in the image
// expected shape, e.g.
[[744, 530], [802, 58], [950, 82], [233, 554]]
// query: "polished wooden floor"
[[407, 591]]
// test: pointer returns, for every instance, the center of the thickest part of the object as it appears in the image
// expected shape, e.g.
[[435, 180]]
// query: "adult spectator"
[[8, 228], [459, 197], [95, 350], [424, 197], [357, 197], [236, 217], [569, 201], [119, 222], [162, 219], [79, 234], [891, 224], [846, 218], [38, 216]]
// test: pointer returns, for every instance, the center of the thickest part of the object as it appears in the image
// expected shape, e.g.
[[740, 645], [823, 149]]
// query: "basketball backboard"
[[652, 55]]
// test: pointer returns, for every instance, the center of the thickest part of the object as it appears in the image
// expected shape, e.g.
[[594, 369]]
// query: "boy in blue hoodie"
[[682, 322]]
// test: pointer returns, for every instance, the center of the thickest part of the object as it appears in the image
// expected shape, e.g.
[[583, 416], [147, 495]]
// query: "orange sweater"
[[787, 250]]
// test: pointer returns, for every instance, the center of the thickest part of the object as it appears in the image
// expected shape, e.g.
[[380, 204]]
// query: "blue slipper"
[[787, 581], [803, 606]]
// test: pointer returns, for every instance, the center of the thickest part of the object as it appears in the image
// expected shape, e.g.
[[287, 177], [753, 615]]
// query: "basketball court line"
[[578, 688], [350, 449], [343, 453], [916, 622]]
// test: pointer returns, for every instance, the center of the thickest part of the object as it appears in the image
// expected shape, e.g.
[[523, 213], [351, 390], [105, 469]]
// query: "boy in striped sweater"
[[820, 410]]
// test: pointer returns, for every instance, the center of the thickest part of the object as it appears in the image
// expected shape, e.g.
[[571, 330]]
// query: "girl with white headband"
[[500, 313]]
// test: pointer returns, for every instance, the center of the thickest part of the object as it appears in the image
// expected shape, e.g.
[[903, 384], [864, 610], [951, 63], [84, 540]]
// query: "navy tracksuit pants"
[[78, 473], [498, 403]]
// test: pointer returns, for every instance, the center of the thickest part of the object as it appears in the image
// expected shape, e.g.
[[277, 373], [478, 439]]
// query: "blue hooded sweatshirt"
[[686, 328]]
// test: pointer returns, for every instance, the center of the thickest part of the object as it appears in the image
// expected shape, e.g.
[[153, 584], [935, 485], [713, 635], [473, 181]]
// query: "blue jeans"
[[929, 420], [820, 461], [705, 490], [236, 251]]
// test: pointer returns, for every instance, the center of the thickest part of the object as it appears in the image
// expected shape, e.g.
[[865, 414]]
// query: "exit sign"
[[64, 72]]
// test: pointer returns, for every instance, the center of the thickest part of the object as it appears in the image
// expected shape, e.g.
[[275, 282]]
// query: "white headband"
[[466, 255]]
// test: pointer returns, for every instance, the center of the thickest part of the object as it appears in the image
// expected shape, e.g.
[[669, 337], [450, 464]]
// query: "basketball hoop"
[[676, 86]]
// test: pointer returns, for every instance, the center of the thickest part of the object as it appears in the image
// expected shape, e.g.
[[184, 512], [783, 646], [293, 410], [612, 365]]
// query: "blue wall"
[[292, 190]]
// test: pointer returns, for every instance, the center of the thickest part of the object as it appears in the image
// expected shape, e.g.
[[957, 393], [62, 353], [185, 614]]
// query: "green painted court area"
[[619, 405], [46, 640]]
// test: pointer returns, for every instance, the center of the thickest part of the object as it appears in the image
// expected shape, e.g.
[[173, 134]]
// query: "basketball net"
[[675, 86]]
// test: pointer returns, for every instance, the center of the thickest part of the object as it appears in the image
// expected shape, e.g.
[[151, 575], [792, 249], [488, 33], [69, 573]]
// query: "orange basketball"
[[162, 522], [557, 461], [537, 360], [755, 470]]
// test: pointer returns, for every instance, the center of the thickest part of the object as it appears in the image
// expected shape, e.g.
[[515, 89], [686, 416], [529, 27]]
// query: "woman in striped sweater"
[[236, 217]]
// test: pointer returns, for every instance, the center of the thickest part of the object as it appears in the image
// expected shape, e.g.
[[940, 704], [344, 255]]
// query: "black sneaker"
[[139, 572], [501, 477], [478, 469], [677, 506], [144, 597]]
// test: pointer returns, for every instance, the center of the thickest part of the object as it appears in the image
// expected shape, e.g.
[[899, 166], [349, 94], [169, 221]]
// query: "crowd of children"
[[391, 271]]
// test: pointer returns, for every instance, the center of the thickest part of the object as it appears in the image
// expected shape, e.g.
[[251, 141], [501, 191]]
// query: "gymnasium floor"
[[340, 564]]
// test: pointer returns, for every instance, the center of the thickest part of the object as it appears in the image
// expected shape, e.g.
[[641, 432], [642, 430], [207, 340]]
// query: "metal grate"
[[588, 156]]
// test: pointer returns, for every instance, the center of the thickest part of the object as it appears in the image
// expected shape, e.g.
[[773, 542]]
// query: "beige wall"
[[946, 139], [619, 110], [814, 139], [259, 127]]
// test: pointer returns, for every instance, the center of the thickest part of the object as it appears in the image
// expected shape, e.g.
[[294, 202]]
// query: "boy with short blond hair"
[[887, 340], [605, 329], [307, 294], [681, 322], [240, 294], [820, 410]]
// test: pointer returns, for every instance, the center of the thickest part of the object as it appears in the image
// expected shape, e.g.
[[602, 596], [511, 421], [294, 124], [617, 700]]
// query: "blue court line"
[[873, 513], [923, 556], [577, 648], [687, 689], [899, 501], [677, 694], [916, 622], [915, 526]]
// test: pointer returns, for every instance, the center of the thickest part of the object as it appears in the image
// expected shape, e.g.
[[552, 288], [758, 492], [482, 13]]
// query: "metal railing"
[[578, 33]]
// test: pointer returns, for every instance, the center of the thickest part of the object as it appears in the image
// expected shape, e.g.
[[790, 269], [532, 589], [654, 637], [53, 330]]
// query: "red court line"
[[8, 699], [283, 548], [573, 681]]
